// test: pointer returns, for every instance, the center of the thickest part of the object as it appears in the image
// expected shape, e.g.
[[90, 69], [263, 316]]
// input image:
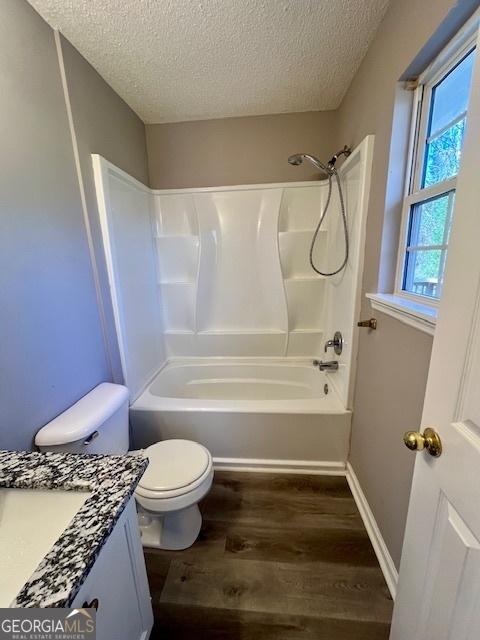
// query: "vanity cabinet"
[[118, 583]]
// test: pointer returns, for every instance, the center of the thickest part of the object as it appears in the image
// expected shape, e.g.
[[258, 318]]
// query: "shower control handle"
[[336, 343]]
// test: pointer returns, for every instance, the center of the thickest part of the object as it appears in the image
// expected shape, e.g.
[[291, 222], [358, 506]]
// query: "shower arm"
[[346, 151]]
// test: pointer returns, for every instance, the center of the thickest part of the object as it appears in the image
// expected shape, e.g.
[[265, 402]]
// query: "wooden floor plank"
[[179, 622], [157, 570], [282, 557], [262, 508], [294, 484], [327, 590], [346, 546]]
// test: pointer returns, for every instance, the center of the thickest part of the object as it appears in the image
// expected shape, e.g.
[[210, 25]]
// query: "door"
[[438, 596]]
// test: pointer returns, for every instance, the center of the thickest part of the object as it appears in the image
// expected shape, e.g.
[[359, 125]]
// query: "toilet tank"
[[97, 423]]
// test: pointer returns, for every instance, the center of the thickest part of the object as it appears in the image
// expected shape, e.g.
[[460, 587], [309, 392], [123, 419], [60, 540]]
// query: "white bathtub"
[[259, 413]]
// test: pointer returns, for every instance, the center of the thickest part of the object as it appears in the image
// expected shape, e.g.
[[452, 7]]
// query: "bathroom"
[[224, 267]]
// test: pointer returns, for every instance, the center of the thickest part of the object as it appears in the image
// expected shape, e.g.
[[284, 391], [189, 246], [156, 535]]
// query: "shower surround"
[[207, 281]]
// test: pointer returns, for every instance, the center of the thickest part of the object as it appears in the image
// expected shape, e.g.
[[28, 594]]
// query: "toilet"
[[179, 474]]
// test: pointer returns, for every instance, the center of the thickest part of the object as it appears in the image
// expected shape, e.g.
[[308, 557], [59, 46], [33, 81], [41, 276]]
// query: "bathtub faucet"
[[331, 365]]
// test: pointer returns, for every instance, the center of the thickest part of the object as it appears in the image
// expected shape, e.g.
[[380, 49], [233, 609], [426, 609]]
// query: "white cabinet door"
[[438, 595], [118, 580]]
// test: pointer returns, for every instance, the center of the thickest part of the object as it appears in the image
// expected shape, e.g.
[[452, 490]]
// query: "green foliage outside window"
[[443, 155]]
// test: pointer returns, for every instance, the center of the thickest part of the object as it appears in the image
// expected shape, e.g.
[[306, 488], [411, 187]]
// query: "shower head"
[[328, 168], [298, 158]]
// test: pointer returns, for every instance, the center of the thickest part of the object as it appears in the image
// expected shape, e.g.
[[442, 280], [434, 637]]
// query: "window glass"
[[429, 221], [449, 101], [443, 155], [427, 245], [450, 96], [424, 272]]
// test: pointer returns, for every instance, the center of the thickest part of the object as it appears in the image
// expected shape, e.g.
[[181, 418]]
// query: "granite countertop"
[[111, 481]]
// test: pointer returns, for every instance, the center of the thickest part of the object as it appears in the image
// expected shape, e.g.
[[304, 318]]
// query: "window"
[[440, 114]]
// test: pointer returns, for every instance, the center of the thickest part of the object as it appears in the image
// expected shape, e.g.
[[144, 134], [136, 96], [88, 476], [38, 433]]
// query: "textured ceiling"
[[176, 60]]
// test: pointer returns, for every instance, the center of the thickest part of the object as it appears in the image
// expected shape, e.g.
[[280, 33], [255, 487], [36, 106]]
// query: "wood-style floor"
[[278, 558]]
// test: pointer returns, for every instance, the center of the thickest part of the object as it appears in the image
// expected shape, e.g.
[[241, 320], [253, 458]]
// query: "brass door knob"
[[429, 440]]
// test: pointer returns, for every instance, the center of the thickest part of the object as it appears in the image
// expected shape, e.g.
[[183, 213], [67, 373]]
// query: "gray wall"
[[106, 125], [52, 349], [229, 151], [393, 362]]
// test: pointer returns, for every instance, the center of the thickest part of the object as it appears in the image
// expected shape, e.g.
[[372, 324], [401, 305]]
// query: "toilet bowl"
[[178, 476]]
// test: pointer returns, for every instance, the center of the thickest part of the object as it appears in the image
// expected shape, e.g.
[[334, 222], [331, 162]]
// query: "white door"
[[438, 593]]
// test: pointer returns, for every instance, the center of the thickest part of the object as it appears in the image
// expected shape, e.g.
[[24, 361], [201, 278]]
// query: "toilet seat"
[[176, 467]]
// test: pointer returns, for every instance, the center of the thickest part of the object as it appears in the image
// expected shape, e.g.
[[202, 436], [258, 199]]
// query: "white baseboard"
[[280, 466], [384, 558]]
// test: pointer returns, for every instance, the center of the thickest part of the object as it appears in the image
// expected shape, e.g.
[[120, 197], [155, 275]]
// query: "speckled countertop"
[[111, 481]]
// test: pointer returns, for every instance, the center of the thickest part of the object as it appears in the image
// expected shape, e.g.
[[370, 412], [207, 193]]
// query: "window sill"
[[417, 315]]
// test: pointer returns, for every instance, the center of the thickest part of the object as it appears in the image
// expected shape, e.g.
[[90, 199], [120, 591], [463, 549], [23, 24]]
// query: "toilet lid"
[[174, 464]]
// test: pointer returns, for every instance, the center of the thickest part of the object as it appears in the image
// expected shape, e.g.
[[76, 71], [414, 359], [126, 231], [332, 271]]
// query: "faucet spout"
[[330, 365]]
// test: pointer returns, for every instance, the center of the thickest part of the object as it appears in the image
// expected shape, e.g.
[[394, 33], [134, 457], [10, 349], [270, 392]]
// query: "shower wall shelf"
[[301, 207], [178, 300], [294, 247], [177, 257], [240, 332], [305, 303]]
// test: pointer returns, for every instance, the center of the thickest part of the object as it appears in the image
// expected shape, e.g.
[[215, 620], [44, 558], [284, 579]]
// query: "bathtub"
[[264, 414]]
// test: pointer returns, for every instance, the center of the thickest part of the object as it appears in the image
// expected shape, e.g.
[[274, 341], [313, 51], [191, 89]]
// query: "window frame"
[[457, 49]]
